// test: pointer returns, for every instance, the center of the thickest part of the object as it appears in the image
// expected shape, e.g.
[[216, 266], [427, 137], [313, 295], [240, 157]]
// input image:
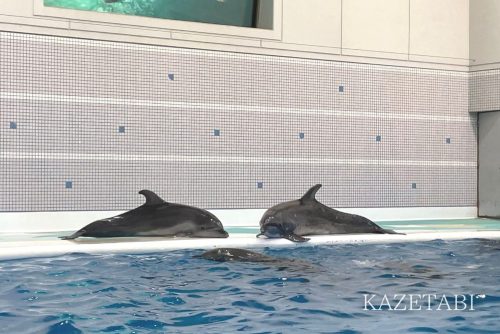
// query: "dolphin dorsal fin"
[[151, 197], [310, 194]]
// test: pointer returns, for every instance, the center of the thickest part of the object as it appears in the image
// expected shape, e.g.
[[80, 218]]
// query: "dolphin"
[[244, 255], [306, 216], [235, 254], [156, 218]]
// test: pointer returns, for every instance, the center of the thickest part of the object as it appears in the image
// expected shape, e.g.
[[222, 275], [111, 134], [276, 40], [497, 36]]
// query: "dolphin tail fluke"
[[295, 237], [73, 236], [387, 231]]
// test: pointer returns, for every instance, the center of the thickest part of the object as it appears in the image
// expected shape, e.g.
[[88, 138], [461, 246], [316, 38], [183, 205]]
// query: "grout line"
[[341, 27], [409, 27]]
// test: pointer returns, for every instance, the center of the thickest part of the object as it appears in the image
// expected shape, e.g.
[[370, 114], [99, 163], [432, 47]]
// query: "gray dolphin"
[[306, 216], [244, 255], [156, 218], [235, 254]]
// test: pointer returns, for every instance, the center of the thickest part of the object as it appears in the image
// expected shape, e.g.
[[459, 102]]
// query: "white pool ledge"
[[45, 248]]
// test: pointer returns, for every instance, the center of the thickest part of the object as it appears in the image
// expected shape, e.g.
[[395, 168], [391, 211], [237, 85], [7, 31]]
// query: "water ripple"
[[253, 304], [114, 329], [422, 330], [299, 299], [171, 292], [279, 281], [64, 327], [199, 319], [146, 324], [172, 300]]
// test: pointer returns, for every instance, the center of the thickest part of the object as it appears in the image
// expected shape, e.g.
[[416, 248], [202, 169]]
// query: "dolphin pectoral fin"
[[295, 237]]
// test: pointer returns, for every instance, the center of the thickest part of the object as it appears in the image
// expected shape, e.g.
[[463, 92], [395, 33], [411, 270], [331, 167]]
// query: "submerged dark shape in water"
[[156, 218], [235, 254], [306, 216], [244, 255], [403, 269]]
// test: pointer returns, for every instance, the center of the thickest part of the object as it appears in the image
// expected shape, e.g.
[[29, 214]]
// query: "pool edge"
[[48, 248]]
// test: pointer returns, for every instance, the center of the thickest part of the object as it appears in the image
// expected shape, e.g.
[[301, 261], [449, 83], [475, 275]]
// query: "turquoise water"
[[449, 225], [476, 224], [227, 12], [321, 291]]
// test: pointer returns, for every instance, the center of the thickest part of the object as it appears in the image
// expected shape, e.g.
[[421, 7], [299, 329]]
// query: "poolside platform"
[[25, 245]]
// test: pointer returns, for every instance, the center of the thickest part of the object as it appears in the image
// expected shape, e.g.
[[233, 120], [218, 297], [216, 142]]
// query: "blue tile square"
[[260, 185], [301, 135], [413, 186], [68, 184], [13, 125], [216, 132], [448, 140], [341, 89], [171, 76], [378, 138], [121, 129]]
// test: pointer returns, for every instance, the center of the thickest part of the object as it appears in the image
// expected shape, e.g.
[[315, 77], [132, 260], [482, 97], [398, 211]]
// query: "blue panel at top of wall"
[[260, 185], [121, 129], [341, 89], [378, 138], [216, 132], [301, 135], [68, 184], [171, 76], [13, 125]]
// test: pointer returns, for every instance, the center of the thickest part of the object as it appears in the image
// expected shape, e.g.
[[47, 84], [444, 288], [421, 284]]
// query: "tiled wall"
[[86, 124], [484, 90]]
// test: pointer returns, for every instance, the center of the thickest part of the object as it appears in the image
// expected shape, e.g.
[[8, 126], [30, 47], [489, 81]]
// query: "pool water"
[[321, 291]]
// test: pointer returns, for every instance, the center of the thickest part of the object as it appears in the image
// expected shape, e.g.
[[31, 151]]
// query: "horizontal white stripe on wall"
[[225, 107], [231, 159]]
